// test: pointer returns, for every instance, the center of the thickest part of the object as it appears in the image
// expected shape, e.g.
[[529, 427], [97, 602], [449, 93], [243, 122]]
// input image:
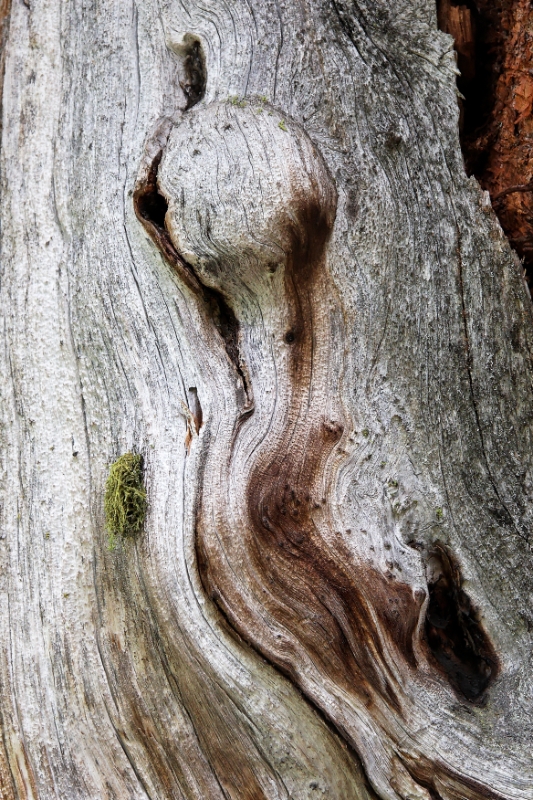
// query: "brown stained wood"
[[356, 628], [238, 239]]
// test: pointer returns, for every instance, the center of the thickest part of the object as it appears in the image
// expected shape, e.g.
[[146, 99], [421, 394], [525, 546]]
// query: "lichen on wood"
[[125, 498]]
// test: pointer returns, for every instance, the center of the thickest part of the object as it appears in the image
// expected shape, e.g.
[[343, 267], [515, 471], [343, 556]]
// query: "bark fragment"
[[494, 43]]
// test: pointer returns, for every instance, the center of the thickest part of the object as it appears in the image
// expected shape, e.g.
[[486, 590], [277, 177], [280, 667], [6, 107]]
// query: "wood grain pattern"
[[496, 81], [243, 245]]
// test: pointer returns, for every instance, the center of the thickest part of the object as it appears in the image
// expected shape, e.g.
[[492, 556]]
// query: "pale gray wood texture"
[[338, 299]]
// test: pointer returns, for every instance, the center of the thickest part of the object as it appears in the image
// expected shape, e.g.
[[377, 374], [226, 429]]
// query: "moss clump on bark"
[[125, 498]]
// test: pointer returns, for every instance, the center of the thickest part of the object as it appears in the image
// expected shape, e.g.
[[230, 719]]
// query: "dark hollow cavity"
[[151, 207], [193, 71], [454, 632], [148, 202], [495, 57], [196, 78]]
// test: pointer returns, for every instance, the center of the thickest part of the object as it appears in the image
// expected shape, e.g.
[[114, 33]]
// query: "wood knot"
[[245, 193]]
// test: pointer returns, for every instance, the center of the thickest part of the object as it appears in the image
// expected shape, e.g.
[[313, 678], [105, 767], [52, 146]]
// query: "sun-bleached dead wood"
[[238, 239]]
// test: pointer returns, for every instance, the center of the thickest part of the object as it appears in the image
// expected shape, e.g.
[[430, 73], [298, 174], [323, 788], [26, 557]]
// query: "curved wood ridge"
[[251, 207]]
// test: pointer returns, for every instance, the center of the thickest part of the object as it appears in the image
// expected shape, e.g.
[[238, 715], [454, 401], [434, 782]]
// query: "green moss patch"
[[125, 498]]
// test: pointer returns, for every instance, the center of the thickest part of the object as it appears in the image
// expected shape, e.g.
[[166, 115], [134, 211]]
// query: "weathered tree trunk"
[[237, 238]]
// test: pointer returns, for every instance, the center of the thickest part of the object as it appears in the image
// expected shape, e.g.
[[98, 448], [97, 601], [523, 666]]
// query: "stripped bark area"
[[270, 551], [240, 242]]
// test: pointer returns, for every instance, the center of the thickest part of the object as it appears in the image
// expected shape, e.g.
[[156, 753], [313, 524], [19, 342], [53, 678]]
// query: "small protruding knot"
[[244, 193]]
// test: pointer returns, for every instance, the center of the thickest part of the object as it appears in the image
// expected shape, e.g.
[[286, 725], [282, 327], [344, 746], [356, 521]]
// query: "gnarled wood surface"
[[238, 238]]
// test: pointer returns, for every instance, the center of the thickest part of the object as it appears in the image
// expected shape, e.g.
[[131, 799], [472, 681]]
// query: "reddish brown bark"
[[494, 43]]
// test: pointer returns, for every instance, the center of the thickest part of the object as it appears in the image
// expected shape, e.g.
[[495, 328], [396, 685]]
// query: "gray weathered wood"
[[325, 361]]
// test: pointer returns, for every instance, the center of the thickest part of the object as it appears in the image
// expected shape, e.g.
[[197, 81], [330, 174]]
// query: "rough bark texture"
[[238, 239], [494, 42]]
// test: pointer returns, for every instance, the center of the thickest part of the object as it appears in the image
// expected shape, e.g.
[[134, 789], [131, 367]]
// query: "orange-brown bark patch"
[[494, 43]]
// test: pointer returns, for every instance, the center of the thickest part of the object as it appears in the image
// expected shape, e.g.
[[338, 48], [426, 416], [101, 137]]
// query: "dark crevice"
[[425, 784], [470, 31], [454, 633], [151, 208], [196, 408], [228, 327], [193, 68], [494, 45]]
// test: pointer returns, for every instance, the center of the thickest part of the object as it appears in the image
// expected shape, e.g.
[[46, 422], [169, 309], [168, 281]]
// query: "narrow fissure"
[[195, 72], [228, 327], [5, 13], [151, 208], [494, 45], [454, 632], [196, 408]]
